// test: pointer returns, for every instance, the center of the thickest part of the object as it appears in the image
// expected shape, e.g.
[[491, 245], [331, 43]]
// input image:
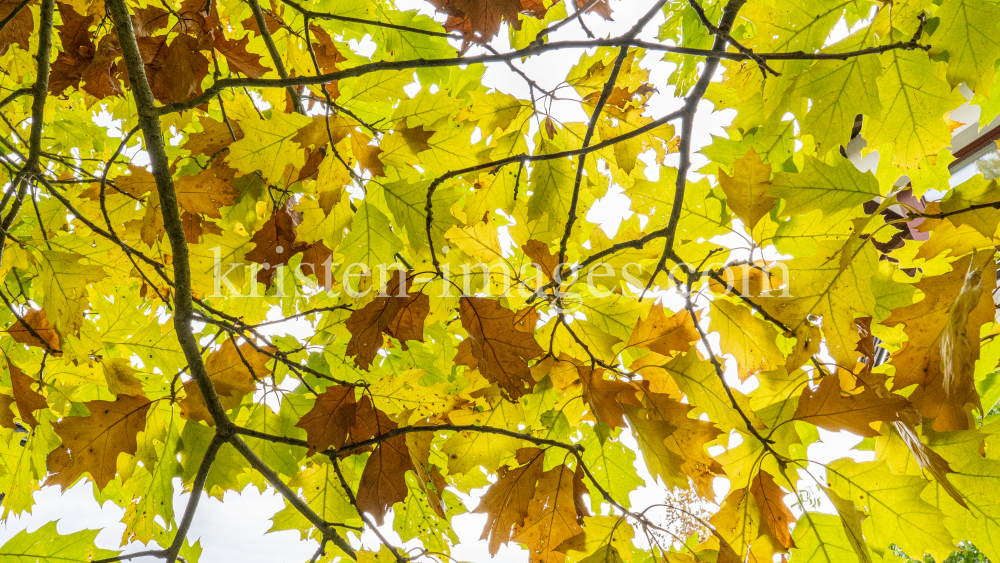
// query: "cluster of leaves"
[[298, 137]]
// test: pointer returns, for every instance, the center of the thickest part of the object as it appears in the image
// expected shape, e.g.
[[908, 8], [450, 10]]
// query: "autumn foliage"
[[312, 246]]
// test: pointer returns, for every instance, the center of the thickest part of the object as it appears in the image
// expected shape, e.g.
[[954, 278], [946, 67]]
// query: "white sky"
[[234, 530]]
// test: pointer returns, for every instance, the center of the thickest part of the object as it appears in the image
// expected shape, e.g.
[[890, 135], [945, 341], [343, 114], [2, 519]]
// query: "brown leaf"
[[502, 351], [77, 49], [17, 30], [605, 397], [580, 489], [272, 24], [194, 227], [207, 191], [601, 8], [240, 60], [942, 340], [198, 17], [383, 481], [368, 423], [91, 444], [327, 423], [276, 242], [234, 372], [137, 183], [770, 499], [827, 408], [149, 20], [540, 254], [97, 75], [408, 324], [368, 324], [507, 500], [676, 443], [35, 318], [150, 48], [431, 481], [480, 20], [317, 256], [6, 412], [28, 400], [552, 515], [178, 70], [214, 136], [464, 356], [327, 54], [662, 334]]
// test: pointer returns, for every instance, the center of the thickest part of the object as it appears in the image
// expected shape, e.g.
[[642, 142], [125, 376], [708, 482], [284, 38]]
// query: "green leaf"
[[46, 544]]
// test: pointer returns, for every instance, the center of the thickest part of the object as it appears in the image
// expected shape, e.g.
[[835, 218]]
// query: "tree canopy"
[[300, 245]]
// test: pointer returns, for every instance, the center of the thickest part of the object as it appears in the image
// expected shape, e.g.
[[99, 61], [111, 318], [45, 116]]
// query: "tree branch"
[[150, 123], [529, 51], [409, 430], [347, 19], [522, 158], [15, 95], [290, 495], [170, 554], [364, 517], [687, 129], [272, 49]]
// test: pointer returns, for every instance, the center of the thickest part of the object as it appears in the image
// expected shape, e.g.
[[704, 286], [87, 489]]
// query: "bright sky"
[[234, 530]]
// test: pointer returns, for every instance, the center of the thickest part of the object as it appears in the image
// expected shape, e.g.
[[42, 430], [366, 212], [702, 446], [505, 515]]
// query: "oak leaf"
[[664, 335], [207, 191], [383, 481], [28, 400], [507, 500], [275, 242], [828, 408], [408, 324], [317, 260], [18, 30], [540, 254], [240, 60], [770, 499], [600, 7], [92, 444], [40, 335], [234, 372], [480, 21], [553, 516], [147, 21], [749, 339], [747, 189], [500, 349], [942, 340], [77, 49], [327, 423], [382, 316], [605, 397], [178, 70], [214, 136]]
